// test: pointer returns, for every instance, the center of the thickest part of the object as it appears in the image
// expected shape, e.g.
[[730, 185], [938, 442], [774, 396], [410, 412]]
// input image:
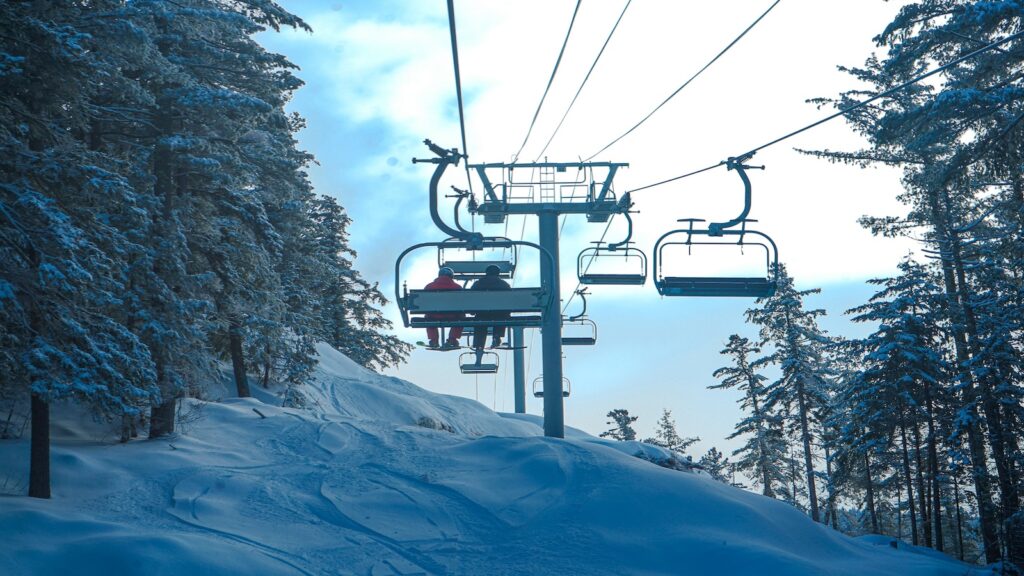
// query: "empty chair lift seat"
[[632, 266], [581, 332], [488, 363], [525, 306], [716, 286], [538, 387]]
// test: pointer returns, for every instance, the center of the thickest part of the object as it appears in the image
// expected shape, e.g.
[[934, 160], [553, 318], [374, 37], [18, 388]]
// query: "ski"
[[442, 348]]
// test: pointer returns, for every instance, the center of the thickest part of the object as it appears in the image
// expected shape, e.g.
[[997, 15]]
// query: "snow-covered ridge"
[[382, 477]]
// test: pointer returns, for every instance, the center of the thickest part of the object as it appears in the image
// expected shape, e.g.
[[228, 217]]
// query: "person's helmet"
[[492, 270], [446, 271]]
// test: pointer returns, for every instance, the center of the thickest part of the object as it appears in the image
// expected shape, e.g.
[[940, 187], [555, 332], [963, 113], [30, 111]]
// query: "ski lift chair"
[[748, 286], [420, 308], [538, 387], [468, 363], [716, 286], [631, 271], [582, 331]]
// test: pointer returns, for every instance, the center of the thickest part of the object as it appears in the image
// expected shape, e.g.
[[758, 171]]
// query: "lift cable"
[[550, 80], [687, 83], [843, 111], [458, 89], [585, 79]]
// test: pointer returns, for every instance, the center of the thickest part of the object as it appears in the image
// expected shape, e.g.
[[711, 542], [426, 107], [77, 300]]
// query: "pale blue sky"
[[379, 80]]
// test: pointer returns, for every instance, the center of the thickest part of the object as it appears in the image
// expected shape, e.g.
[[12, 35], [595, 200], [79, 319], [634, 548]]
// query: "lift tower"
[[549, 190]]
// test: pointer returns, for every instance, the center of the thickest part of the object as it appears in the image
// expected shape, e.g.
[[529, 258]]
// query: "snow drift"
[[381, 477]]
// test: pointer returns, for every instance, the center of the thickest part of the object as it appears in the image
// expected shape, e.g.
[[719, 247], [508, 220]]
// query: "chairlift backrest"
[[538, 387], [474, 269]]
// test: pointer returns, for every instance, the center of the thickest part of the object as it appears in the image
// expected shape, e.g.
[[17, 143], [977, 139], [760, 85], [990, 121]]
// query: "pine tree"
[[798, 347], [666, 436], [716, 465], [622, 425], [902, 367], [762, 455], [61, 254], [347, 305], [958, 138]]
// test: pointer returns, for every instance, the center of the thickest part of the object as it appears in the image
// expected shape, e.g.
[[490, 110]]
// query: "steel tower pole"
[[554, 416], [519, 368]]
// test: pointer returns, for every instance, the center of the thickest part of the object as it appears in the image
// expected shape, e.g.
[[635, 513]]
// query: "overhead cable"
[[458, 88], [687, 83], [550, 80], [844, 111], [584, 83]]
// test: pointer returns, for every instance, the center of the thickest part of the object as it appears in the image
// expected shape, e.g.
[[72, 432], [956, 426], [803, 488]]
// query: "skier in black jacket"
[[490, 281]]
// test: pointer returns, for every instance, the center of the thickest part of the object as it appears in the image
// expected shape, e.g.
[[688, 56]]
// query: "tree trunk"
[[871, 493], [238, 360], [830, 510], [899, 512], [959, 518], [933, 470], [161, 416], [922, 497], [792, 475], [910, 486], [975, 444], [1009, 495], [39, 461], [265, 381], [762, 457], [805, 434]]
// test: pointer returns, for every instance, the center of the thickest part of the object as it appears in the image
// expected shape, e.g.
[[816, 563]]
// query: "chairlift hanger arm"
[[716, 228], [582, 293], [629, 233], [459, 196], [444, 159]]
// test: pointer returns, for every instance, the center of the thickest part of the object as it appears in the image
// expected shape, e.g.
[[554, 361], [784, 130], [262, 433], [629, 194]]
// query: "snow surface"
[[382, 477]]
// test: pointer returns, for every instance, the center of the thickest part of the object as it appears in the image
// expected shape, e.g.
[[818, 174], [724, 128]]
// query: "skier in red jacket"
[[444, 281]]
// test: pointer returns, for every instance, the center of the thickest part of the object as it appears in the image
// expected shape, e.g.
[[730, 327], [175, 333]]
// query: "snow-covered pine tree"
[[62, 257], [349, 317], [761, 457], [716, 465], [798, 346], [666, 435], [622, 425], [958, 138], [902, 368]]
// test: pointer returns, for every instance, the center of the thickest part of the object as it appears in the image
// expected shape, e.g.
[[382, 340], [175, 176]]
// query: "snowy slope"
[[356, 486]]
